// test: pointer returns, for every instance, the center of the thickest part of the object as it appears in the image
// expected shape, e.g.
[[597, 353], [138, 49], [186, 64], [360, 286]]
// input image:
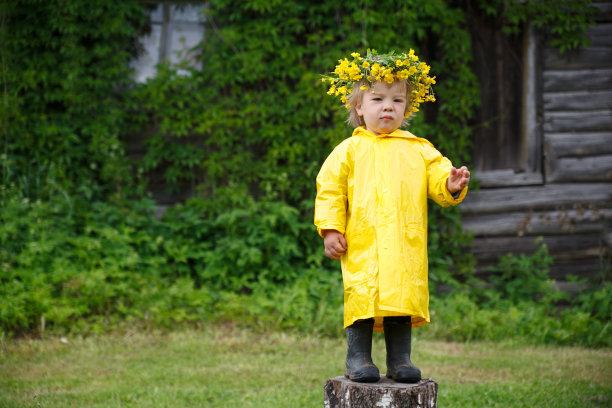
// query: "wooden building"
[[548, 174]]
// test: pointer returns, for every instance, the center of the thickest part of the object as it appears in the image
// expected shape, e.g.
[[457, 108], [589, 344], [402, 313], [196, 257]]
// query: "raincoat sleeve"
[[332, 190], [438, 170]]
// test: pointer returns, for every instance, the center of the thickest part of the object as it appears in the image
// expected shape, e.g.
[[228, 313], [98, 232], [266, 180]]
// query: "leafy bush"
[[519, 301], [110, 263], [101, 265], [64, 67], [458, 317], [259, 243]]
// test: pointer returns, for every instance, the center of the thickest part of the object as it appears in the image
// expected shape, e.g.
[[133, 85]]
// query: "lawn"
[[230, 367]]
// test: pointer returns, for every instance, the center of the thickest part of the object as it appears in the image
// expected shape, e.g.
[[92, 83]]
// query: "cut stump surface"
[[340, 392]]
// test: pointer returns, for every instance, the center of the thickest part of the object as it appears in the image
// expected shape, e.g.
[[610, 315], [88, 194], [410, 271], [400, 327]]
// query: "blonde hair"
[[356, 96]]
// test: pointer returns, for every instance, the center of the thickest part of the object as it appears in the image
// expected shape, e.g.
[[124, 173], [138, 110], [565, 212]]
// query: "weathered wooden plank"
[[578, 100], [551, 196], [600, 34], [583, 58], [605, 8], [577, 80], [571, 169], [589, 121], [577, 144], [585, 268], [520, 223], [567, 247], [530, 157], [509, 177]]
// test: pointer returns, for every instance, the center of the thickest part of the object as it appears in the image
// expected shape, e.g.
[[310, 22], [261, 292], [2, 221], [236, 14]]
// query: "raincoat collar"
[[362, 131]]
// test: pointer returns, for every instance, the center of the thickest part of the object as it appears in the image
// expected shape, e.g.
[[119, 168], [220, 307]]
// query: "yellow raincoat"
[[373, 189]]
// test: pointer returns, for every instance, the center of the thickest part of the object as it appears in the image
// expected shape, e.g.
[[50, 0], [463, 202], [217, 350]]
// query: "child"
[[371, 208]]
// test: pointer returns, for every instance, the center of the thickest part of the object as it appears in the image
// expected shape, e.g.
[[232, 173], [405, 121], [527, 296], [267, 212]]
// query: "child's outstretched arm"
[[335, 244], [458, 179]]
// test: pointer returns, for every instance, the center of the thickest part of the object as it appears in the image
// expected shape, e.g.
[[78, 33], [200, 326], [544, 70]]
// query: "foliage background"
[[81, 249]]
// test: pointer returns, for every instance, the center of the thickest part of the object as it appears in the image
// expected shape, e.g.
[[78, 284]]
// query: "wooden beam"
[[578, 100], [571, 169], [567, 247], [533, 223], [574, 144], [577, 80], [498, 178], [605, 8], [600, 34], [589, 121], [531, 129], [589, 268], [552, 196], [583, 58]]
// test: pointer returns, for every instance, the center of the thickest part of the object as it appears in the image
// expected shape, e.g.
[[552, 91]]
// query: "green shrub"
[[519, 302], [102, 265]]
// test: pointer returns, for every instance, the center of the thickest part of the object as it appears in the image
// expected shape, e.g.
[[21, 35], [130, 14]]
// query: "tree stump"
[[340, 392]]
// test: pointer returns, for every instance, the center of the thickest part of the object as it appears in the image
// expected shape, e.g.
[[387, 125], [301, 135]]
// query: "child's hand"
[[458, 179], [335, 244]]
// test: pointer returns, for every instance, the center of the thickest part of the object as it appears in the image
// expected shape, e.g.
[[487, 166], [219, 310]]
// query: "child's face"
[[382, 107]]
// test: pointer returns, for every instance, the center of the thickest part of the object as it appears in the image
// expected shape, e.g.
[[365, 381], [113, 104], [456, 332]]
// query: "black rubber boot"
[[359, 365], [398, 332]]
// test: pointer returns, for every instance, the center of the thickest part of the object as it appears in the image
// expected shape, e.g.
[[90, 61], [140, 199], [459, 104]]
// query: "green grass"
[[230, 367]]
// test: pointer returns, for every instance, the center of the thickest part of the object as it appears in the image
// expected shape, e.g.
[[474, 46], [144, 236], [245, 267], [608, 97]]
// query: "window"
[[507, 135], [175, 30]]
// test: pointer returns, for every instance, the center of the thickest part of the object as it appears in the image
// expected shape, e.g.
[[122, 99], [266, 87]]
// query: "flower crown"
[[382, 67]]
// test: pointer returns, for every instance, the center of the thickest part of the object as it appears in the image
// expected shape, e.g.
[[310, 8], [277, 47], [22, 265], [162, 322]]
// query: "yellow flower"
[[412, 56], [375, 69], [403, 74], [399, 63], [355, 55], [365, 64], [331, 90], [363, 87], [424, 68]]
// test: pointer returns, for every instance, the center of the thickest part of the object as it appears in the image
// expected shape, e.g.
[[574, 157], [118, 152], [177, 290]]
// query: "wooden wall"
[[572, 207]]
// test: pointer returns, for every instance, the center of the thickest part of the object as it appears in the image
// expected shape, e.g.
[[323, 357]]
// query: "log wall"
[[572, 207]]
